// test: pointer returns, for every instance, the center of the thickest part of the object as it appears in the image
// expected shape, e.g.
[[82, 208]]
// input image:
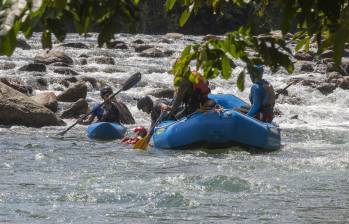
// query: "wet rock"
[[75, 45], [125, 114], [23, 44], [112, 70], [82, 61], [344, 82], [326, 88], [48, 100], [168, 53], [288, 36], [309, 82], [306, 67], [103, 60], [165, 41], [83, 56], [152, 52], [345, 66], [76, 109], [294, 117], [162, 93], [333, 76], [138, 41], [90, 69], [304, 56], [38, 83], [157, 70], [19, 109], [28, 90], [174, 35], [65, 71], [7, 65], [91, 80], [327, 54], [211, 37], [52, 56], [117, 45], [60, 64], [71, 79], [33, 67], [141, 48], [73, 93]]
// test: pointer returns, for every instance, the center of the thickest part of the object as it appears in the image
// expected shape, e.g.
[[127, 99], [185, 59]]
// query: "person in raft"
[[262, 96], [106, 113], [193, 96], [140, 131], [147, 105]]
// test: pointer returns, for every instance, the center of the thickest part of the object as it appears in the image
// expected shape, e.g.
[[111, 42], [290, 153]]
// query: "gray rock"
[[91, 80], [75, 45], [307, 67], [48, 100], [152, 52], [211, 37], [326, 88], [344, 82], [7, 65], [162, 93], [294, 117], [304, 56], [90, 69], [141, 48], [23, 44], [82, 61], [117, 45], [103, 60], [33, 67], [28, 90], [83, 56], [60, 64], [19, 109], [165, 41], [66, 71], [38, 83], [76, 109], [174, 35], [138, 41], [52, 56], [327, 54], [73, 93]]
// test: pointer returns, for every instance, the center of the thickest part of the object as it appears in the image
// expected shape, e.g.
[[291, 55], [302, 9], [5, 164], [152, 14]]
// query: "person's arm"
[[180, 93], [257, 101], [89, 119]]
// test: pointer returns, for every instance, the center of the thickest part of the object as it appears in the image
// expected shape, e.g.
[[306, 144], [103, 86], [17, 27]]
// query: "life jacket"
[[202, 86], [268, 98]]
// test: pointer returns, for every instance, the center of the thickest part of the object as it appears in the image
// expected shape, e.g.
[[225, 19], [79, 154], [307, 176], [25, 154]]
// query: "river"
[[71, 179]]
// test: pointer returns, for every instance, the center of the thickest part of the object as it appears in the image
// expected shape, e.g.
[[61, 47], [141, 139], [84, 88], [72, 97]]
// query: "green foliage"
[[325, 22], [53, 16]]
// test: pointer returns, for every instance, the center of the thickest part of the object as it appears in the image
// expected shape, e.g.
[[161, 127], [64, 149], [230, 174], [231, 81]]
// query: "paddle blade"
[[142, 143], [133, 80]]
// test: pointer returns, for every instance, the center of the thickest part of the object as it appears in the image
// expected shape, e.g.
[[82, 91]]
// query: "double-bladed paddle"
[[130, 82]]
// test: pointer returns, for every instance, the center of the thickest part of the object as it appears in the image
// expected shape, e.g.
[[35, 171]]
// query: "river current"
[[49, 179]]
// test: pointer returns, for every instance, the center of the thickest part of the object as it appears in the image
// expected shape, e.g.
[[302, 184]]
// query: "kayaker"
[[192, 96], [147, 105], [108, 112], [262, 96], [140, 131]]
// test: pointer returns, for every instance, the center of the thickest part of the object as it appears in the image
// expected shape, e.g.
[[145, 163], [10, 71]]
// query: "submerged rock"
[[174, 35], [7, 65], [152, 52], [48, 100], [52, 56], [138, 41], [162, 93], [103, 60], [306, 67], [76, 109], [117, 45], [78, 45], [23, 44], [326, 88], [66, 71], [304, 56], [73, 93], [33, 67], [141, 48], [19, 109]]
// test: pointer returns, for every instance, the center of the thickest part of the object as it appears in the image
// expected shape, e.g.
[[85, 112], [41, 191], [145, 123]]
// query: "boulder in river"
[[66, 71], [103, 60], [304, 56], [76, 109], [326, 88], [116, 44], [48, 100], [78, 45], [174, 35], [60, 64], [91, 80], [52, 56], [152, 52], [23, 44], [19, 109], [73, 93], [33, 67], [142, 47], [162, 93], [38, 83], [7, 65], [138, 41], [307, 67], [28, 90]]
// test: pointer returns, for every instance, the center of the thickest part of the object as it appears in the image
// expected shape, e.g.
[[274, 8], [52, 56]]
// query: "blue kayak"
[[106, 131], [222, 128]]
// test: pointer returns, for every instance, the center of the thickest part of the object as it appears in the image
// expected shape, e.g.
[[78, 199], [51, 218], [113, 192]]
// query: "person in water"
[[140, 131], [147, 105], [192, 95], [106, 113], [262, 96]]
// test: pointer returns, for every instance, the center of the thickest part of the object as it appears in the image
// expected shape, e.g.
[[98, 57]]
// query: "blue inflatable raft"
[[222, 128], [106, 131]]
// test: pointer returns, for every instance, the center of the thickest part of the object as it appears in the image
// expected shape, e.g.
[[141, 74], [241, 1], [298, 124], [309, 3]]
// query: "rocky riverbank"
[[52, 85]]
